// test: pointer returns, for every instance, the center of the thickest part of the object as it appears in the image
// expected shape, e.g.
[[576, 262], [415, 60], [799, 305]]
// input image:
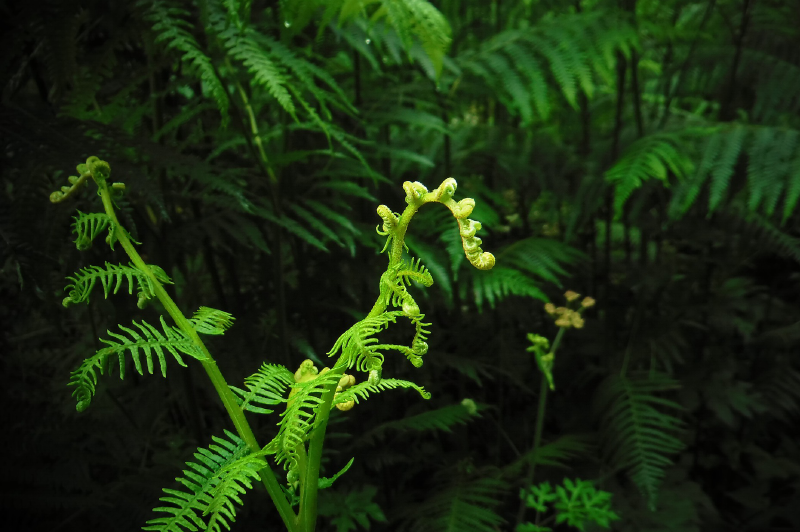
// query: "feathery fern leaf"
[[88, 226], [213, 484], [638, 436], [149, 340], [298, 419], [111, 278], [363, 389], [170, 24], [461, 505], [440, 419], [265, 387], [208, 320], [652, 157]]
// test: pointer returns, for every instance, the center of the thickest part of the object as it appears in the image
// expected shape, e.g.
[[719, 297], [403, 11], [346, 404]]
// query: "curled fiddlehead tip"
[[472, 245], [414, 191]]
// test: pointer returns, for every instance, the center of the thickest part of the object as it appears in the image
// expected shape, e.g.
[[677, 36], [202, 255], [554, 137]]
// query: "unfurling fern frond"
[[363, 389], [638, 436], [265, 387], [88, 226], [149, 340], [208, 320], [213, 484], [111, 278]]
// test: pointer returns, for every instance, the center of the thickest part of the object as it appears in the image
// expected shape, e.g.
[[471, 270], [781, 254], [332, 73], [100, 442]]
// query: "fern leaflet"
[[213, 483], [149, 340], [637, 435], [266, 387]]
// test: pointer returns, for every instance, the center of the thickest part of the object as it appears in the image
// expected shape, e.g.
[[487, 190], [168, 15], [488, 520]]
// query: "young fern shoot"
[[226, 469]]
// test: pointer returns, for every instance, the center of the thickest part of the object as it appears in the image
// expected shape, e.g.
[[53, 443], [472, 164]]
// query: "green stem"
[[537, 434], [209, 364]]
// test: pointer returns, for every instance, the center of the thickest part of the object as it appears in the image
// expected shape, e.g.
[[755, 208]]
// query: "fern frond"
[[363, 389], [148, 339], [208, 320], [298, 419], [88, 226], [555, 454], [170, 25], [266, 72], [422, 20], [638, 436], [234, 480], [723, 169], [111, 278], [652, 157], [439, 419], [461, 505], [212, 485], [265, 387]]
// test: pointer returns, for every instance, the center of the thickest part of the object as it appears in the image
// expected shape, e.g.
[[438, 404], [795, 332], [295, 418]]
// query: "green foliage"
[[148, 339], [576, 47], [638, 435], [576, 503], [460, 505], [213, 484], [351, 510], [265, 387], [216, 486]]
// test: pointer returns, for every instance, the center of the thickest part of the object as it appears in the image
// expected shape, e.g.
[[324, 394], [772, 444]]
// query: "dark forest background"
[[642, 152]]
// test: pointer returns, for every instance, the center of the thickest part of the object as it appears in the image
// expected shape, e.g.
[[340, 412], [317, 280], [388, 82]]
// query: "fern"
[[525, 259], [213, 484], [442, 419], [298, 419], [638, 436], [111, 279], [576, 48], [460, 505], [652, 157], [363, 389], [149, 340], [88, 226], [266, 387], [170, 25], [208, 320]]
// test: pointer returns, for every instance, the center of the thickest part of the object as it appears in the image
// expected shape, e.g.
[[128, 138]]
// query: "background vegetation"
[[641, 152]]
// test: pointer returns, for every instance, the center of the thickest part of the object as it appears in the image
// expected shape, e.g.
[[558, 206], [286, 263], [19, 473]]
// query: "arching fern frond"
[[213, 484], [637, 435], [148, 340], [111, 278], [265, 387], [363, 389]]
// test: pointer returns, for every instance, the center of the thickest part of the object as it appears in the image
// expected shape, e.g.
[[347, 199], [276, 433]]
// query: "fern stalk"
[[537, 435], [209, 364]]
